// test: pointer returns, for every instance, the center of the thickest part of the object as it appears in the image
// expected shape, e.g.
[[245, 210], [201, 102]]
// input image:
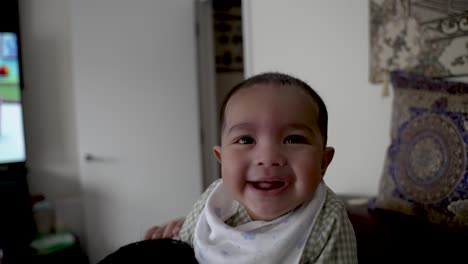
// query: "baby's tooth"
[[264, 185]]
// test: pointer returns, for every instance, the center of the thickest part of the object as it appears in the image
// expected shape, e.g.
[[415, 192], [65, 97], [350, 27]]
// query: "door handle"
[[93, 158]]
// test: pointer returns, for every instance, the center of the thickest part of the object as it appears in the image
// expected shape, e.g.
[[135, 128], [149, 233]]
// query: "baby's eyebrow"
[[301, 127], [240, 126]]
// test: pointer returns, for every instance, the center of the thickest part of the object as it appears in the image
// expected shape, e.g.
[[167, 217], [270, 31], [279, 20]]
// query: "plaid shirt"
[[331, 240]]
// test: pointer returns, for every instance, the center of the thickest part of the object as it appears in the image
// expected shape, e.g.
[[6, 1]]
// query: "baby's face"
[[272, 154]]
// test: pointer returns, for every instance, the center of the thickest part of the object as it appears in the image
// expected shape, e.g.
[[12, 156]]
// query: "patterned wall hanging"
[[425, 37], [227, 18]]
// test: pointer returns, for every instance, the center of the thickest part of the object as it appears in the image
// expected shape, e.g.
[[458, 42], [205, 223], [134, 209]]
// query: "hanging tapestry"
[[424, 37]]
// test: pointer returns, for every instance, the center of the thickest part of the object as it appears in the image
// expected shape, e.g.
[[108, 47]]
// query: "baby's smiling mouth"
[[267, 185]]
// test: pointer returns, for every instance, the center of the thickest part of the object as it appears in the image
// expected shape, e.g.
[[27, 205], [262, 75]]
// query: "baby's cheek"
[[308, 163], [230, 176], [228, 170], [309, 172]]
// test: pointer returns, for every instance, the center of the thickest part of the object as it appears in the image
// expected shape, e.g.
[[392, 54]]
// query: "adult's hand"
[[168, 230]]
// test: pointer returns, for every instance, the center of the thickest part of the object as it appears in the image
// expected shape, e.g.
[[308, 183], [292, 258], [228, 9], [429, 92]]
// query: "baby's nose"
[[270, 156]]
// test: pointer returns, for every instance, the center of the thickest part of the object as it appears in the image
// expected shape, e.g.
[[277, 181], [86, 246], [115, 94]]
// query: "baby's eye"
[[245, 140], [296, 139]]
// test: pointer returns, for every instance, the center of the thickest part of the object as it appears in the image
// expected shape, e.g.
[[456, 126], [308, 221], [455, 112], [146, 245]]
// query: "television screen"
[[12, 145]]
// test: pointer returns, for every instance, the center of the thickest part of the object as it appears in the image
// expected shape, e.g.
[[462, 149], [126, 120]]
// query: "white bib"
[[279, 241]]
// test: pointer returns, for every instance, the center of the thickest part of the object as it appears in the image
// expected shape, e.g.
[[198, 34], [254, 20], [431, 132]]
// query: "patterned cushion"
[[426, 169]]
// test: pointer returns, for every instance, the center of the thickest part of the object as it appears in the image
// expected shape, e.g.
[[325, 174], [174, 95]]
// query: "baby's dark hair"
[[165, 250], [281, 79]]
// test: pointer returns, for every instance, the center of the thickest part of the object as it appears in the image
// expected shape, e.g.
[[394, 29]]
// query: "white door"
[[134, 67]]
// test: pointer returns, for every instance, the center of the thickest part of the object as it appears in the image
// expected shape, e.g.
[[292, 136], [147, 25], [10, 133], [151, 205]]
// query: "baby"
[[271, 204]]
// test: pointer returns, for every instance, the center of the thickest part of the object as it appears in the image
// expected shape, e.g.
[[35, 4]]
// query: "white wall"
[[326, 43], [49, 115]]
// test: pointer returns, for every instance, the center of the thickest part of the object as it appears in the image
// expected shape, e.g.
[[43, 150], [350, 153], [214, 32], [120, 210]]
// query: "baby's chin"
[[268, 215]]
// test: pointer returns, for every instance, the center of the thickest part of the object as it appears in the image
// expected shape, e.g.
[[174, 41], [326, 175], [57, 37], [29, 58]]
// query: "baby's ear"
[[217, 153], [327, 158]]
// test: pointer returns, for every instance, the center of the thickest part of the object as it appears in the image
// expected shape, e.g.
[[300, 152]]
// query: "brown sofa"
[[390, 237]]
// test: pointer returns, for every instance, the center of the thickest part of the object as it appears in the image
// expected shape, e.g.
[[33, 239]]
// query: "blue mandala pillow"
[[426, 170]]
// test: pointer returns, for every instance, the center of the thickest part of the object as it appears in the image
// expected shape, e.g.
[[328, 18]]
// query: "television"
[[12, 140], [17, 227]]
